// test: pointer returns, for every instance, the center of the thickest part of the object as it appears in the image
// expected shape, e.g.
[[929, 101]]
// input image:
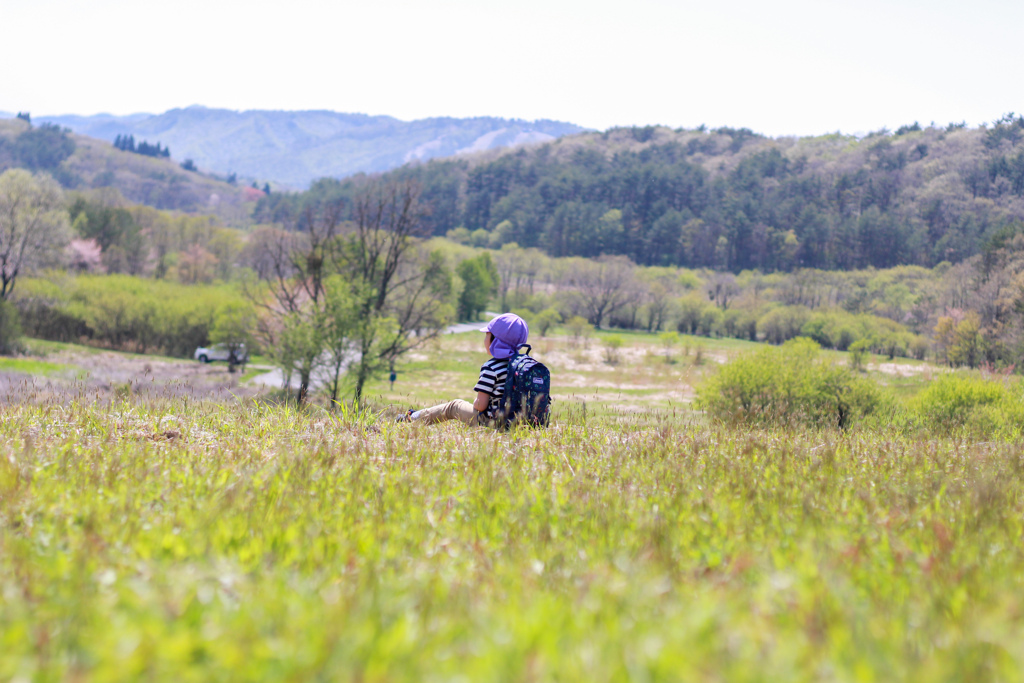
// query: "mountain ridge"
[[728, 198], [84, 163], [293, 148]]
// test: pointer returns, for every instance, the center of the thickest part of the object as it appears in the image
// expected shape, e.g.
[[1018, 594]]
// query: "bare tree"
[[293, 267], [603, 285], [406, 288], [721, 288], [658, 300], [361, 290], [508, 261], [517, 272], [34, 229]]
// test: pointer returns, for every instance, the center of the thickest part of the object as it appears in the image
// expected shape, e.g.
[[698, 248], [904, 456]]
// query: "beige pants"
[[452, 410]]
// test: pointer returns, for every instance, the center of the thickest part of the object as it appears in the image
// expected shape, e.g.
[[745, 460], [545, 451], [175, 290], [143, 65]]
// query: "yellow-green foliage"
[[789, 385], [957, 402], [200, 542], [124, 312], [838, 329]]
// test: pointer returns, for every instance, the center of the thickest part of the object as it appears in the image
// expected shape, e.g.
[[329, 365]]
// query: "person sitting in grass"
[[502, 336]]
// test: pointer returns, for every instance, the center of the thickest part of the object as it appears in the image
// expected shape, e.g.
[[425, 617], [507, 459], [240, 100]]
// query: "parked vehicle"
[[208, 354]]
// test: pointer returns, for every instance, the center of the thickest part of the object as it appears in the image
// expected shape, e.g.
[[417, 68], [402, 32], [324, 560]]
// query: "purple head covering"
[[509, 332]]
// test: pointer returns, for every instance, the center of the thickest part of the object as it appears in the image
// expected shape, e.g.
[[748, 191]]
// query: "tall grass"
[[173, 540]]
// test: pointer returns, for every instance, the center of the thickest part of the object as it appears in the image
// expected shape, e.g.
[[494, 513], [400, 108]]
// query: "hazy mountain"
[[295, 148], [83, 163]]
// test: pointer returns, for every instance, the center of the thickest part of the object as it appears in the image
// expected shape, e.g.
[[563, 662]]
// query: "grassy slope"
[[161, 183], [173, 540], [158, 182]]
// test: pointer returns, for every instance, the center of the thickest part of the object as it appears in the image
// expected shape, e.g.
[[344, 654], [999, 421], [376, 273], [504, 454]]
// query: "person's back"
[[502, 336], [493, 375]]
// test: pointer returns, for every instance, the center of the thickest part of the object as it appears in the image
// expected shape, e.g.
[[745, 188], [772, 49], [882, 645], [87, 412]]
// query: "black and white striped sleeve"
[[488, 381]]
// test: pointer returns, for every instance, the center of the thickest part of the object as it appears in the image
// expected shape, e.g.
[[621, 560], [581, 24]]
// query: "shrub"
[[858, 353], [782, 324], [10, 329], [845, 337], [820, 329], [739, 324], [669, 340], [919, 347], [839, 329], [710, 322], [957, 402], [698, 354], [546, 319], [690, 309], [579, 327], [788, 386], [611, 349]]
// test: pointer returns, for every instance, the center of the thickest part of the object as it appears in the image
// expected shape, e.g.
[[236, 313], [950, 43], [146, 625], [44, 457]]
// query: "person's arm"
[[483, 399], [484, 388]]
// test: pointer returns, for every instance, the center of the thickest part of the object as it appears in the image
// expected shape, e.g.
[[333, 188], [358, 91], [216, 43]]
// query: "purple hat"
[[510, 331]]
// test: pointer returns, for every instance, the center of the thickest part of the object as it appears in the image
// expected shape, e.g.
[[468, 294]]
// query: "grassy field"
[[645, 376], [181, 539]]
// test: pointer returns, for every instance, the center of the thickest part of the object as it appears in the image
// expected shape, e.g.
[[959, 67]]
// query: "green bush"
[[689, 308], [859, 353], [740, 324], [919, 347], [788, 386], [710, 322], [10, 329], [579, 327], [782, 324], [124, 312], [612, 345], [959, 402], [838, 329], [546, 319]]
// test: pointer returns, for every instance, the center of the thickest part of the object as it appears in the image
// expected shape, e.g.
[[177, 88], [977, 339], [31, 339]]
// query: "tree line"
[[126, 143], [37, 149], [729, 199], [338, 299]]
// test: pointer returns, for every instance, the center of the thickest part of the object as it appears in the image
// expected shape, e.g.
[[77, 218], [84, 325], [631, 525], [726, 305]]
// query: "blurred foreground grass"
[[176, 540]]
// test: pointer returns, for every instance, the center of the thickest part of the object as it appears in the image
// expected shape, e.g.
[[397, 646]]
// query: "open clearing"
[[173, 532]]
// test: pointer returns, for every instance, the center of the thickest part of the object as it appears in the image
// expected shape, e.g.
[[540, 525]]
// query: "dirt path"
[[108, 373]]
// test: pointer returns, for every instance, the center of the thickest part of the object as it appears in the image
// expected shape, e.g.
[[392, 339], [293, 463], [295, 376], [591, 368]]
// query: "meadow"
[[176, 537]]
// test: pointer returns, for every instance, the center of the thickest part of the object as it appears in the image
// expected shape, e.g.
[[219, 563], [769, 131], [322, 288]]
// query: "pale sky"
[[791, 67]]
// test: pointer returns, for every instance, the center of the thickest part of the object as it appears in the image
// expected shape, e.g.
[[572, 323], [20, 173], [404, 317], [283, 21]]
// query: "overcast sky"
[[782, 68]]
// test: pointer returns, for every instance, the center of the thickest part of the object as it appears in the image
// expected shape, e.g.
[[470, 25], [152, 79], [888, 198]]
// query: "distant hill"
[[731, 199], [294, 148], [83, 163]]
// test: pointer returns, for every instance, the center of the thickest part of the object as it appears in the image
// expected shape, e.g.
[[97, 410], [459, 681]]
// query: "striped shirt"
[[492, 381]]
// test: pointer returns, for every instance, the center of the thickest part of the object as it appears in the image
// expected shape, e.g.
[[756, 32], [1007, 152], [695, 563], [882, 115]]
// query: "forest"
[[728, 199], [884, 244]]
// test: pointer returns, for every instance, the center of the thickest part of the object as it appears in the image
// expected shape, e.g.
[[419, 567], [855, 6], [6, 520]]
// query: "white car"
[[208, 354]]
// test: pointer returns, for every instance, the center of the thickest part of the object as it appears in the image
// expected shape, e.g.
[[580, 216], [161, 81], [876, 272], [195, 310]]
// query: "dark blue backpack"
[[527, 397]]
